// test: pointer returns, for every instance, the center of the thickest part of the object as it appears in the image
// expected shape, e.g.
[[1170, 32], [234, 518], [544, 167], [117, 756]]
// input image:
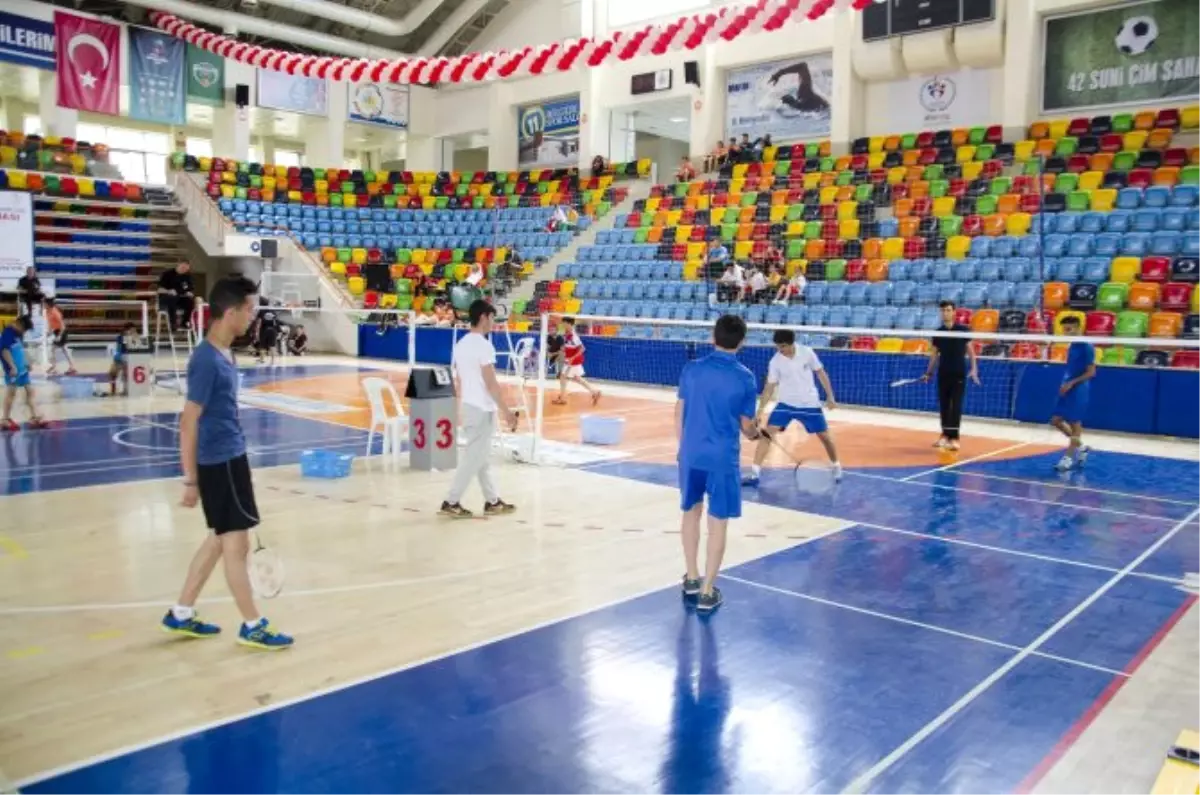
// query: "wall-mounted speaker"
[[241, 95], [691, 73]]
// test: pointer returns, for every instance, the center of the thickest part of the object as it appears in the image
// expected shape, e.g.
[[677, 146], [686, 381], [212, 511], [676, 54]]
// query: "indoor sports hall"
[[975, 219]]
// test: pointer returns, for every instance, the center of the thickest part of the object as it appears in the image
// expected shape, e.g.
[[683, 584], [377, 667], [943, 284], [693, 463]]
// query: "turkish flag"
[[88, 63]]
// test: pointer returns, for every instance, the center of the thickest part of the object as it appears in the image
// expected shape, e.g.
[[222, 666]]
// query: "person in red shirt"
[[572, 366]]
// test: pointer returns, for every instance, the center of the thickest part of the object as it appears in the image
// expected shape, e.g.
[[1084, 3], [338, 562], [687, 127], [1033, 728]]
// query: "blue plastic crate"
[[601, 430], [325, 464], [76, 388]]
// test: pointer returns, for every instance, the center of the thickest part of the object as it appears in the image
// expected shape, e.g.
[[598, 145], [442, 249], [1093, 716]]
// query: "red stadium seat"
[[1189, 359], [1155, 269], [962, 316], [856, 270], [1176, 296], [1100, 324], [864, 343]]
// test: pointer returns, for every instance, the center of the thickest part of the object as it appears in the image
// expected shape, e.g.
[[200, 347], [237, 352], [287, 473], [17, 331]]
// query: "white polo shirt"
[[471, 354], [796, 378]]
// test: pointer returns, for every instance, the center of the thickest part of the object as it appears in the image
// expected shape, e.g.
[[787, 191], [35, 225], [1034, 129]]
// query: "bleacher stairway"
[[333, 328], [637, 189]]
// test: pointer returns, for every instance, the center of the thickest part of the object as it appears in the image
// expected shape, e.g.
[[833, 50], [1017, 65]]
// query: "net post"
[[145, 320], [540, 395], [411, 319]]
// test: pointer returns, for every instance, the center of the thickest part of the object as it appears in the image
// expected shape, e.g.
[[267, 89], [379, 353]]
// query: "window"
[[287, 157], [32, 125], [140, 156], [255, 155], [352, 163], [199, 147], [627, 12]]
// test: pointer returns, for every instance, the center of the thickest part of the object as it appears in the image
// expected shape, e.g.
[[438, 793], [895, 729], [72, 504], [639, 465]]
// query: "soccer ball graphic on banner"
[[1137, 34]]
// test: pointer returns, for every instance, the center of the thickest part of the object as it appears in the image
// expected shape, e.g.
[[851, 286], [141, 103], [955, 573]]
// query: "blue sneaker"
[[262, 636], [189, 627], [750, 481]]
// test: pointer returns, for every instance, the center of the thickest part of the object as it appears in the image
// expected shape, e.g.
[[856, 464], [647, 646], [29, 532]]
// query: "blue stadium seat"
[[906, 318], [1175, 219], [903, 293], [1163, 244], [929, 319], [862, 317], [1156, 196], [951, 291], [1145, 221], [817, 316], [965, 270], [921, 270], [1000, 294], [796, 315], [1027, 295], [879, 293], [816, 292], [988, 270], [943, 270], [927, 293], [837, 293], [1056, 246], [1016, 269], [974, 295], [981, 246], [1065, 223], [1185, 196], [1137, 244], [1129, 198], [1004, 246], [856, 293], [898, 270], [839, 316], [1118, 221], [1094, 269]]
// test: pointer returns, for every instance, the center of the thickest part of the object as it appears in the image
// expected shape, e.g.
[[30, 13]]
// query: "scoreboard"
[[886, 18]]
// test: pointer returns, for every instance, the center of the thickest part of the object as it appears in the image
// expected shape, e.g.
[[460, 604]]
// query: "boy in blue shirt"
[[120, 363], [1073, 396], [216, 472], [716, 402], [16, 372]]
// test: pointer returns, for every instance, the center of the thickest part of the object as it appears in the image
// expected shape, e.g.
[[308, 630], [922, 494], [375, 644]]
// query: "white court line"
[[1019, 498], [921, 624], [1073, 487], [336, 688], [867, 778], [968, 460]]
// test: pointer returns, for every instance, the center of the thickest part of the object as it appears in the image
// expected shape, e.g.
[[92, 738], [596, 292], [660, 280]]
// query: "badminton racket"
[[905, 382], [265, 568], [797, 462]]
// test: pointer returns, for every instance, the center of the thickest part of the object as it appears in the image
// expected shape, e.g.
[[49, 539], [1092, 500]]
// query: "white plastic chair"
[[394, 427]]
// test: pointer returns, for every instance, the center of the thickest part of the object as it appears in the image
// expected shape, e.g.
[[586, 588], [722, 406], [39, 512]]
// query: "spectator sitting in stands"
[[686, 171], [443, 313], [714, 159], [475, 276], [745, 149], [774, 279], [718, 255], [733, 154], [793, 289], [757, 288], [732, 284], [760, 145], [598, 166]]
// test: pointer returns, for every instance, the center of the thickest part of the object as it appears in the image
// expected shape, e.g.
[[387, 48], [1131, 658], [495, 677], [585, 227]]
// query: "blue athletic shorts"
[[20, 379], [813, 419], [723, 489], [1072, 406]]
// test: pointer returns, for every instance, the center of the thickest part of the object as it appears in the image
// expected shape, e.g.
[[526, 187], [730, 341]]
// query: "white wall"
[[530, 22], [895, 105]]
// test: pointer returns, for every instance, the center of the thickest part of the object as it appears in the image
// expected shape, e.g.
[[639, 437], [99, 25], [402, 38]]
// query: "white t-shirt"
[[758, 282], [796, 378], [473, 353], [799, 282]]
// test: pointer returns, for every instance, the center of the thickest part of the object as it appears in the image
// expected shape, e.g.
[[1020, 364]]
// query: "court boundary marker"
[[868, 777]]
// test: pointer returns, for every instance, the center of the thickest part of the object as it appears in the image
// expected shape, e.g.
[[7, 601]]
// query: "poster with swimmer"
[[788, 99]]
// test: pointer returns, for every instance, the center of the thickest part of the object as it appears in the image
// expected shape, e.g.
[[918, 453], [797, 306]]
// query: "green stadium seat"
[[1111, 296]]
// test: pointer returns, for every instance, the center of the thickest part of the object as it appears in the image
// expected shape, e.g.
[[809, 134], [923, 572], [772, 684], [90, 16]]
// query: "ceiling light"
[[677, 119]]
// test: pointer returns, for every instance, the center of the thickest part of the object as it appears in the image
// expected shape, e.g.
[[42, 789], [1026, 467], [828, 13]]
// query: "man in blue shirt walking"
[[716, 403], [216, 471], [1073, 396]]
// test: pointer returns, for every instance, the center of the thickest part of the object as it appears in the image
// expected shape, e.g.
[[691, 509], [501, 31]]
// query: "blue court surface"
[[947, 641]]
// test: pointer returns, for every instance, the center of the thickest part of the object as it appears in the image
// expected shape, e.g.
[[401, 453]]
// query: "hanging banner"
[[16, 230], [1133, 54], [156, 76], [379, 103], [205, 77], [787, 100], [25, 41], [280, 91], [548, 134], [88, 63], [930, 102]]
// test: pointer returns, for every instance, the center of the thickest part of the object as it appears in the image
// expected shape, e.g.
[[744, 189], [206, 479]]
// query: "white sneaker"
[[837, 471], [1064, 463], [1081, 455], [941, 442]]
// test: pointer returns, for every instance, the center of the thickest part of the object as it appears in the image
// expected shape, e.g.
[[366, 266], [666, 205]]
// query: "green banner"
[[205, 77], [1140, 53]]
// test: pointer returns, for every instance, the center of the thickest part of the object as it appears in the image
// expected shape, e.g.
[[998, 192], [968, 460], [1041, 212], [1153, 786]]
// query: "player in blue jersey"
[[15, 367], [1073, 396], [716, 403]]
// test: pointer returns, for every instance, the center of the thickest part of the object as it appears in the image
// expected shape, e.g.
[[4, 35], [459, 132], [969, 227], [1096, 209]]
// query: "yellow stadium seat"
[[574, 305], [875, 144], [1134, 140], [691, 270], [567, 288], [1018, 223], [896, 175], [1125, 269], [958, 247], [795, 228], [337, 268], [1194, 303], [1103, 199], [19, 180], [1143, 296], [1023, 150], [652, 204], [890, 345], [1058, 128], [1189, 117], [847, 210], [778, 213], [848, 229], [1066, 313], [795, 266], [893, 248], [965, 154], [812, 180], [739, 170], [828, 194], [229, 191], [1090, 180], [683, 233], [356, 285], [742, 249], [971, 171], [695, 251], [673, 217], [875, 160], [943, 206]]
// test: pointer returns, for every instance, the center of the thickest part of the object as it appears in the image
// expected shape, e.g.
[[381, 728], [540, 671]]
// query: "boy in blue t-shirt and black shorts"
[[15, 367], [1073, 396], [216, 471], [716, 403]]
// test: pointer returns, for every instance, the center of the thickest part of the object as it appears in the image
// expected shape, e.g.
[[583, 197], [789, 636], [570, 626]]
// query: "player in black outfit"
[[268, 327], [950, 356], [29, 292]]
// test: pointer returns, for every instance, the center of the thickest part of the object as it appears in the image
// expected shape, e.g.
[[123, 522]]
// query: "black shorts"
[[268, 338], [60, 339], [227, 495]]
